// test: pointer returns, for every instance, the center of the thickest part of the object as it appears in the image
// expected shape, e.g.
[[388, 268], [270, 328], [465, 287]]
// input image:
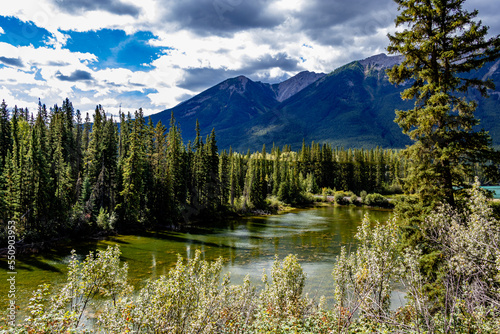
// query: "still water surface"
[[248, 245], [495, 190]]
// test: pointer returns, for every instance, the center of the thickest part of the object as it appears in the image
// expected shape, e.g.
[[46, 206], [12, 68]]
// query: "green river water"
[[248, 246]]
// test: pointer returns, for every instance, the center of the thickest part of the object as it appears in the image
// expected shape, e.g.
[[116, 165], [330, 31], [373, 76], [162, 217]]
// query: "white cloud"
[[109, 102], [85, 100], [168, 97], [12, 99], [15, 76]]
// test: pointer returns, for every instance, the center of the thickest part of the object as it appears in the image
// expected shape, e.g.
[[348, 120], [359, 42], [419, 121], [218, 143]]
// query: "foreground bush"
[[467, 241]]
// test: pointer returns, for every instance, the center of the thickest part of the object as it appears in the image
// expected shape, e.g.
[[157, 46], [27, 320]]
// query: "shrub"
[[328, 192], [340, 198], [275, 205], [192, 298], [106, 221], [395, 188], [376, 200], [354, 200], [281, 302], [62, 311], [363, 195], [363, 279], [495, 205]]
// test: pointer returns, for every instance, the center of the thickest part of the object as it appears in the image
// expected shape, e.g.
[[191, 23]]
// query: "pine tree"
[[71, 150], [78, 135], [276, 179], [176, 163], [40, 183], [5, 134], [236, 177], [161, 192], [441, 43], [100, 164], [133, 175], [85, 139], [224, 178], [212, 169]]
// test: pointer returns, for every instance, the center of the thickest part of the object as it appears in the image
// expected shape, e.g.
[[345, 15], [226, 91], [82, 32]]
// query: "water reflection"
[[248, 246]]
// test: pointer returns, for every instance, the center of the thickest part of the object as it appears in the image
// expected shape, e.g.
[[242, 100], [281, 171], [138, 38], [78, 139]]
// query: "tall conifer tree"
[[441, 43], [5, 133]]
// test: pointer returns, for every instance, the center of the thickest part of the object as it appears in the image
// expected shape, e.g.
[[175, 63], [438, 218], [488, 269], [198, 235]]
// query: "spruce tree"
[[161, 201], [224, 178], [132, 208], [40, 182], [441, 43], [175, 162], [5, 133]]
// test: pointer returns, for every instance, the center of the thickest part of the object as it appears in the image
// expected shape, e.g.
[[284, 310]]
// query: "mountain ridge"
[[352, 106]]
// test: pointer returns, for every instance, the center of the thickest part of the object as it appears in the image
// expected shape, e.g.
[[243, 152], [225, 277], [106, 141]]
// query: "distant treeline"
[[60, 174]]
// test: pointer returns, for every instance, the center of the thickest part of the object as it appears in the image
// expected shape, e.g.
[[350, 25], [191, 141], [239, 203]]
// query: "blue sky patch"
[[19, 33], [115, 49]]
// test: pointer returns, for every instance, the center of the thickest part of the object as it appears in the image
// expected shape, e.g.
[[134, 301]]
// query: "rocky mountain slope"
[[352, 106]]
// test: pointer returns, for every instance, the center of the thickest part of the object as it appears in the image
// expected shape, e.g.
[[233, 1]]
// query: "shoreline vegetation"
[[320, 200]]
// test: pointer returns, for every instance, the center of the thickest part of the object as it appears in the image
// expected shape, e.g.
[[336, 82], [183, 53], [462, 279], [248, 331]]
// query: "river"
[[495, 190], [248, 245]]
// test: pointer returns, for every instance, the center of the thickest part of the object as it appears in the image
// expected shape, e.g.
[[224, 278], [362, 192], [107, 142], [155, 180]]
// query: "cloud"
[[112, 6], [12, 61], [339, 23], [280, 60], [196, 79], [223, 17], [157, 53], [77, 75], [488, 14]]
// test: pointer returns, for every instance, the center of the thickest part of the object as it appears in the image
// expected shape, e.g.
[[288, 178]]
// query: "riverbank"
[[248, 245]]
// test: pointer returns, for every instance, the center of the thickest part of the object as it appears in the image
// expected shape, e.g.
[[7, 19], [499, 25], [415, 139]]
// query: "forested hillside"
[[64, 175], [353, 106]]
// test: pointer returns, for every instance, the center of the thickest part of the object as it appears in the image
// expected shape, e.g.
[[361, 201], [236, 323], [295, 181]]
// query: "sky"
[[154, 54]]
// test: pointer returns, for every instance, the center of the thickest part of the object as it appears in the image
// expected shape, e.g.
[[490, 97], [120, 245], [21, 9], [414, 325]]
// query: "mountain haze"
[[353, 106]]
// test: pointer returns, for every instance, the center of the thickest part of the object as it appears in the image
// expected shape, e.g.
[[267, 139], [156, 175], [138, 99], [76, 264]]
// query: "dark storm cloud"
[[336, 22], [12, 61], [206, 17], [487, 12], [196, 79], [77, 75], [112, 6], [280, 60]]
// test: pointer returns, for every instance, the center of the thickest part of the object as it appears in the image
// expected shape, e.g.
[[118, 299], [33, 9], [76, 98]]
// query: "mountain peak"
[[237, 84], [295, 84], [381, 61]]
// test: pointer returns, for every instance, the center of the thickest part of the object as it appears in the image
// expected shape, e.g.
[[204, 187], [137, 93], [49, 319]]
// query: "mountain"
[[232, 105], [352, 106], [292, 86]]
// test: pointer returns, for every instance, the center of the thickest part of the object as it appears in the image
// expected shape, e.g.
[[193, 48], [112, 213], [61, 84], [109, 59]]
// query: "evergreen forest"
[[62, 175]]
